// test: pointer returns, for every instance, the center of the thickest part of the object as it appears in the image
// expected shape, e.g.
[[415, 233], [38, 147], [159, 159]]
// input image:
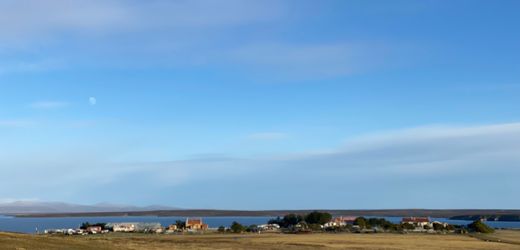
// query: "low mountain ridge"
[[37, 207]]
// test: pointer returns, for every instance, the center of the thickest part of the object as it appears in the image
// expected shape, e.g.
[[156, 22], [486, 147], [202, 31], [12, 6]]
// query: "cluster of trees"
[[442, 227], [180, 224], [370, 223], [381, 223], [313, 218], [238, 228]]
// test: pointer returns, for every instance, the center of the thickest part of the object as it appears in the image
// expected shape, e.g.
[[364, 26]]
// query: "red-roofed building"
[[195, 224], [418, 221], [345, 219]]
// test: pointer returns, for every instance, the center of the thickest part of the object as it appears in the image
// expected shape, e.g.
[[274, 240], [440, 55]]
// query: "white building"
[[122, 227]]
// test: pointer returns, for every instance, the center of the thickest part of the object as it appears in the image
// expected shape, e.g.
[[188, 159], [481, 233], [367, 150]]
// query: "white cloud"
[[134, 34], [26, 19], [316, 59], [48, 104], [427, 152], [119, 33], [15, 123], [26, 66], [267, 136]]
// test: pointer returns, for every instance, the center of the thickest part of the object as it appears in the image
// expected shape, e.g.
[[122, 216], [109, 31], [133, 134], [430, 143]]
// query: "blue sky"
[[261, 104]]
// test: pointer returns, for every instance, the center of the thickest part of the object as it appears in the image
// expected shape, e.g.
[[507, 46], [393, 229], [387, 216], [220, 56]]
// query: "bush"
[[314, 227], [438, 227], [480, 227], [252, 229], [394, 227], [221, 229], [237, 227], [180, 224], [361, 222], [379, 222], [408, 226]]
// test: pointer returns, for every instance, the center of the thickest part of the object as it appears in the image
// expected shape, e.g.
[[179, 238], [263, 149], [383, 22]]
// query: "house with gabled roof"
[[195, 224]]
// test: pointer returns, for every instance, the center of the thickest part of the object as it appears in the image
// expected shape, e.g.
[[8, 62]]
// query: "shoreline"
[[435, 213]]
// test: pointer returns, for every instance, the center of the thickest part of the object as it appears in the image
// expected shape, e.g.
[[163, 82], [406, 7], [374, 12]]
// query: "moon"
[[92, 101]]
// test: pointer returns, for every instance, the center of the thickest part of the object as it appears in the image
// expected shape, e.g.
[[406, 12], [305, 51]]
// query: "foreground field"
[[505, 236], [264, 241]]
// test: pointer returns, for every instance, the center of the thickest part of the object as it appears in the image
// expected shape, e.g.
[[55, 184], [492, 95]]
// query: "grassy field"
[[505, 236], [263, 241]]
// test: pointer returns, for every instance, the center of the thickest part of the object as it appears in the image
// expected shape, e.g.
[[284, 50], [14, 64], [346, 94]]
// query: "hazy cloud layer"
[[50, 35], [28, 19], [267, 136], [15, 123], [453, 157], [48, 104]]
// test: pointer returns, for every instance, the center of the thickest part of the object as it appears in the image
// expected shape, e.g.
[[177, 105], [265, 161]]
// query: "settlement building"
[[146, 227], [195, 224], [340, 221], [94, 229], [416, 221], [122, 227], [269, 227]]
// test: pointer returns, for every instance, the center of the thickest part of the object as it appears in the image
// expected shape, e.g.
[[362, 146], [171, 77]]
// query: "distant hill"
[[37, 207]]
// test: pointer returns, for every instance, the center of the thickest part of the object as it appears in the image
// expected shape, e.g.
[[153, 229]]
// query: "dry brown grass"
[[25, 241], [251, 241], [506, 236]]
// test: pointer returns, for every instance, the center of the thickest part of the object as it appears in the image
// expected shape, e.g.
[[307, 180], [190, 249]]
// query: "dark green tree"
[[318, 218], [276, 220], [84, 225], [380, 223], [291, 220], [361, 222], [408, 226], [438, 227], [252, 228], [237, 227], [180, 224]]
